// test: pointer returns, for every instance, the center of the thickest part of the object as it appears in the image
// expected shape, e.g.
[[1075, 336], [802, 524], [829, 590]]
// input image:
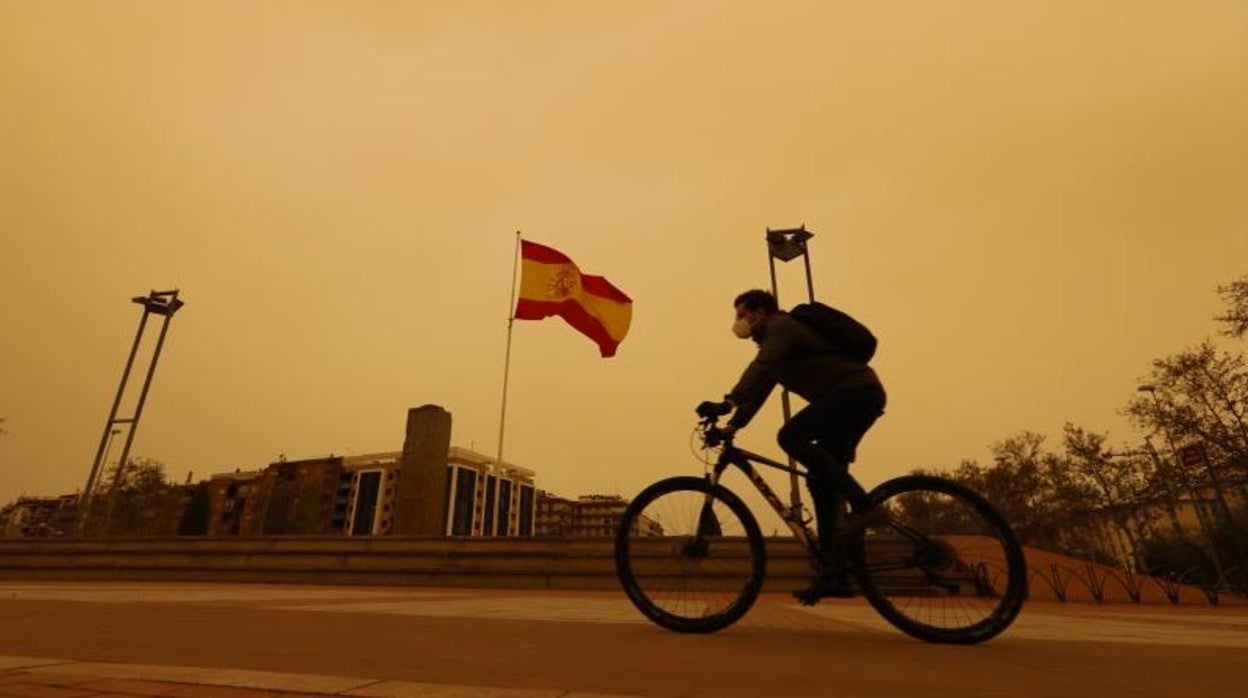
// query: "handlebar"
[[712, 435]]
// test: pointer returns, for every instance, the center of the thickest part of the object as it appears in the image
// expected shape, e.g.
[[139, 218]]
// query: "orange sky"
[[1026, 202]]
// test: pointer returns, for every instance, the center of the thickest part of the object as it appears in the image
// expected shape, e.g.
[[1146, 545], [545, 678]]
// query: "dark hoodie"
[[796, 357]]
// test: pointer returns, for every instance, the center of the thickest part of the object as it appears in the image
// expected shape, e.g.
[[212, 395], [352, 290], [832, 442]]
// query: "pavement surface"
[[72, 640]]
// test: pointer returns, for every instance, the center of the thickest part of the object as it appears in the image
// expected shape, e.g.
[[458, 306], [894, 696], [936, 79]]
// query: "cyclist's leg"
[[827, 500], [806, 437], [863, 407], [798, 438], [824, 434]]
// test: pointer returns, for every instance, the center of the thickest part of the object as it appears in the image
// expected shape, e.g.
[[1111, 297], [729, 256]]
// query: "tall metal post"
[[164, 303], [112, 437], [502, 417], [787, 245], [84, 502]]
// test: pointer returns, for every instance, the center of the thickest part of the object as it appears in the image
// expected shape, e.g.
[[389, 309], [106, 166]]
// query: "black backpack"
[[850, 339]]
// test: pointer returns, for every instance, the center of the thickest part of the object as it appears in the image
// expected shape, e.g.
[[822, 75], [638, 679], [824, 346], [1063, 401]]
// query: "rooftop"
[[457, 454]]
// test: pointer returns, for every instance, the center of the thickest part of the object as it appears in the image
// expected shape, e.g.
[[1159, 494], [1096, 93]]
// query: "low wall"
[[534, 563], [528, 563]]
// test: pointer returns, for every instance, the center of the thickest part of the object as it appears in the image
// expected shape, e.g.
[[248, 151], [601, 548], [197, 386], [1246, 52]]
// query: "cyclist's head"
[[752, 306]]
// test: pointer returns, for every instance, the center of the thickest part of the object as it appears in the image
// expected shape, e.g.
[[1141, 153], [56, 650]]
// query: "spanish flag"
[[551, 284]]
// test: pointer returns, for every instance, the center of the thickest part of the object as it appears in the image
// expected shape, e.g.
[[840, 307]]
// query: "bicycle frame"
[[744, 460]]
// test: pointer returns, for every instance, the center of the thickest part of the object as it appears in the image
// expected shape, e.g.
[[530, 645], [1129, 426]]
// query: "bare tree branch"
[[1236, 296]]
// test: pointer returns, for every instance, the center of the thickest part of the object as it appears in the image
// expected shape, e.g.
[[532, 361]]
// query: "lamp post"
[[85, 499], [787, 245], [164, 304]]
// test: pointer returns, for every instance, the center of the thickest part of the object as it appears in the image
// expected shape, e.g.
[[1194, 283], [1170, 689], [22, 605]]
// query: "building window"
[[504, 508], [526, 510], [487, 515], [465, 499], [365, 504]]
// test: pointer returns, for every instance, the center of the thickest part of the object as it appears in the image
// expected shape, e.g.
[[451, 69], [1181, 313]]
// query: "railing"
[[1098, 579]]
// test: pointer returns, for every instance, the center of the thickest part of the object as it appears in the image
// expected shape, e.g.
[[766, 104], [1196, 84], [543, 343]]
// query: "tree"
[[1030, 488], [1200, 394], [1033, 489], [1119, 484], [141, 475], [128, 505], [1083, 501], [1236, 296]]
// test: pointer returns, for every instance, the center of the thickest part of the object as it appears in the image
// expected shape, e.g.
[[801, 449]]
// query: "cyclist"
[[845, 398]]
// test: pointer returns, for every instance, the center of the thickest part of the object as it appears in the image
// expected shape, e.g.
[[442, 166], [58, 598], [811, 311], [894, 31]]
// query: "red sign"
[[1192, 456]]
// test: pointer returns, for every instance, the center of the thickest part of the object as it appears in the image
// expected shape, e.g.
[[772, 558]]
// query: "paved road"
[[421, 642]]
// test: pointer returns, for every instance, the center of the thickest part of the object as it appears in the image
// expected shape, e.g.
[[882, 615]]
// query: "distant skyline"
[[1025, 201]]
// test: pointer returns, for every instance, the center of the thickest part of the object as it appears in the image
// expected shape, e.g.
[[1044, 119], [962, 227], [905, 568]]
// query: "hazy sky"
[[1025, 201]]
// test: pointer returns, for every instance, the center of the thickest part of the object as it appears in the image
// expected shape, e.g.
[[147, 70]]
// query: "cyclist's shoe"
[[823, 588], [856, 523]]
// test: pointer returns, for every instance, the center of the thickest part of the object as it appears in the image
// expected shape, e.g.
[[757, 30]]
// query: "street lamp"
[[165, 304], [160, 302], [84, 501], [112, 494], [787, 244], [112, 434]]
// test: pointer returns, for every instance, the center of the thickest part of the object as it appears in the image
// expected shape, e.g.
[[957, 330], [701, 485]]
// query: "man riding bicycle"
[[845, 398]]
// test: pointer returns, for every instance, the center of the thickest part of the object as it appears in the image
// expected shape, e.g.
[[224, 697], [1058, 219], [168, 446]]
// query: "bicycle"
[[943, 566]]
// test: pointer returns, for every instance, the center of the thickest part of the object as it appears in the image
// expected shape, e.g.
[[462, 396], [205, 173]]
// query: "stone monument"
[[420, 504]]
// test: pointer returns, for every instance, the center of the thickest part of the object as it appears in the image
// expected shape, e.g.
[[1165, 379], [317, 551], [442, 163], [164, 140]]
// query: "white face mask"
[[741, 328]]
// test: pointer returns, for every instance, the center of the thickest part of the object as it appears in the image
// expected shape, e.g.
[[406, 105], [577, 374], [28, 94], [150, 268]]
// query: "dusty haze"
[[1026, 202]]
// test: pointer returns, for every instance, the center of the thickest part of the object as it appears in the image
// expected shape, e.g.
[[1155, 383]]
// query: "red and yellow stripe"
[[551, 284]]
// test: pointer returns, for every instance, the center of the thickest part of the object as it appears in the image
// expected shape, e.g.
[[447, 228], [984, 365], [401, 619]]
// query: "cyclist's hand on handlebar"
[[714, 436], [708, 409]]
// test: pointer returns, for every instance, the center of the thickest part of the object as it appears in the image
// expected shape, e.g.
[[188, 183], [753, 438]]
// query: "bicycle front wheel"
[[944, 566], [690, 556]]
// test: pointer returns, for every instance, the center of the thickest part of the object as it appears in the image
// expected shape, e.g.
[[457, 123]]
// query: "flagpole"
[[502, 418]]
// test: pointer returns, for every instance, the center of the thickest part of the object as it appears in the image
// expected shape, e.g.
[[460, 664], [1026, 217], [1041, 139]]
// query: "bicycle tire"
[[1011, 600], [624, 558]]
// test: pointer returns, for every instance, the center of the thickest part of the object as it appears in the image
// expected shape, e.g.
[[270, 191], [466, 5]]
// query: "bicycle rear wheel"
[[689, 556], [945, 566]]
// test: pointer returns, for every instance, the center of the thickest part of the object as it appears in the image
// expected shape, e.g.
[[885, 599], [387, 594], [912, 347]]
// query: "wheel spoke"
[[922, 569], [702, 568]]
